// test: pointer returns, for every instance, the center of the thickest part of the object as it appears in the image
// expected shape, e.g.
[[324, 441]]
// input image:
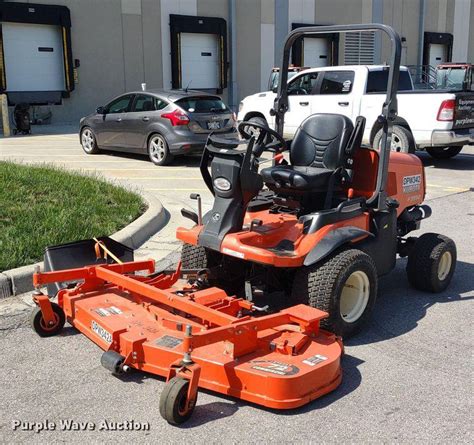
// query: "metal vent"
[[359, 48]]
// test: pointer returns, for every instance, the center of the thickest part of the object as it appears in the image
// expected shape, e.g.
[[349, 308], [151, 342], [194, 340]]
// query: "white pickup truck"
[[439, 121]]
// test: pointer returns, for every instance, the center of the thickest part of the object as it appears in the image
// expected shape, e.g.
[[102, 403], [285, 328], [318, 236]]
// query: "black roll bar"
[[389, 109]]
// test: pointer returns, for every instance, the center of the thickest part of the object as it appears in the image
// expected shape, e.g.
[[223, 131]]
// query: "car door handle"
[[304, 104], [343, 104], [119, 119], [145, 119]]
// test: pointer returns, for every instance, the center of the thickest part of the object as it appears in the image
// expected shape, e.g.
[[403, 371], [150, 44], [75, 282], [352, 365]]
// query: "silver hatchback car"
[[160, 123]]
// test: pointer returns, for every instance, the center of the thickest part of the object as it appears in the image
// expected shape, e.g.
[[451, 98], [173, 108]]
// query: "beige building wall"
[[122, 43]]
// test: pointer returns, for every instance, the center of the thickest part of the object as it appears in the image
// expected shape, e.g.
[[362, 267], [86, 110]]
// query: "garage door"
[[199, 61], [33, 57], [315, 52], [438, 53]]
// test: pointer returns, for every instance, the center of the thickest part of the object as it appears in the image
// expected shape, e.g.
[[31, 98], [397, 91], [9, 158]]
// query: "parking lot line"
[[447, 187]]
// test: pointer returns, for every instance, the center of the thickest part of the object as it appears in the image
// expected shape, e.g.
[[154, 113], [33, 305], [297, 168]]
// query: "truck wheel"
[[193, 257], [344, 285], [402, 140], [431, 262], [444, 152], [38, 324], [173, 401]]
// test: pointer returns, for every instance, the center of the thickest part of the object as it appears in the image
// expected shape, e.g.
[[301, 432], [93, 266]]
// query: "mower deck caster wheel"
[[41, 328], [173, 401], [113, 362]]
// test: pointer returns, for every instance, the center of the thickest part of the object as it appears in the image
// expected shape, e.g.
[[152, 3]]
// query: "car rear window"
[[377, 81], [202, 105]]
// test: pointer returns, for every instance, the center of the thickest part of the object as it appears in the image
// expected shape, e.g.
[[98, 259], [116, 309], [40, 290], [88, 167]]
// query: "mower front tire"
[[173, 401], [39, 326], [193, 257], [431, 262], [344, 285]]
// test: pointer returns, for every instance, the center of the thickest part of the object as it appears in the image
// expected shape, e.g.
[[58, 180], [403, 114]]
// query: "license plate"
[[213, 125]]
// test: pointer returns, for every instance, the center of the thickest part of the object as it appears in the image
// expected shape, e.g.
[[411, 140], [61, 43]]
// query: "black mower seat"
[[318, 150], [296, 177]]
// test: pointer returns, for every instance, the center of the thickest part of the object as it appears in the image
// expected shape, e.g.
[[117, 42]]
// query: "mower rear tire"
[[431, 262], [193, 257], [173, 401], [344, 285], [39, 326], [113, 362]]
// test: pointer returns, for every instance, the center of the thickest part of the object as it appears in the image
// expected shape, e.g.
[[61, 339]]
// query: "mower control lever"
[[197, 196]]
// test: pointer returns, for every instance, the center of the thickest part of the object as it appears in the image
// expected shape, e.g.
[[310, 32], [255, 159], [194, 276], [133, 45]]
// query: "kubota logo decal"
[[274, 367]]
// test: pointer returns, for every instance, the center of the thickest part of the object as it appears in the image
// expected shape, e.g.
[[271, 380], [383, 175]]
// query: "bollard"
[[5, 117]]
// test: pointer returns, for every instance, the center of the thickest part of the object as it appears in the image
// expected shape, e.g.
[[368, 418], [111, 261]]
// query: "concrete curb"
[[18, 281]]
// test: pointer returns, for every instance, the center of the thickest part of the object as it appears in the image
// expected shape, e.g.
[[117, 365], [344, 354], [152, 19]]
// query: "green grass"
[[42, 206]]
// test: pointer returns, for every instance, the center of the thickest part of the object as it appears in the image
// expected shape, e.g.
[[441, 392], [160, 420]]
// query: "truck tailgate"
[[464, 111]]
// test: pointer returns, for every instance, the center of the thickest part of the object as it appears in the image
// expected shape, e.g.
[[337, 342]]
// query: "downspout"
[[232, 56], [421, 32]]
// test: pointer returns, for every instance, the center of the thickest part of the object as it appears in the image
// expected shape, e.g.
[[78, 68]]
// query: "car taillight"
[[446, 110], [177, 117]]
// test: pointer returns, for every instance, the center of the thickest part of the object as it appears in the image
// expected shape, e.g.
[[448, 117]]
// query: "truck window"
[[304, 84], [377, 81], [337, 82]]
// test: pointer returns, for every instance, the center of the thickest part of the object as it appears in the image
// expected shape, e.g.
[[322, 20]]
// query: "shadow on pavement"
[[463, 161], [399, 307], [211, 411]]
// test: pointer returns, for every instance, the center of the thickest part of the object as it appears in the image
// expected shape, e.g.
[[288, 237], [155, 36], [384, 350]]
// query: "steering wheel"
[[297, 91], [265, 137]]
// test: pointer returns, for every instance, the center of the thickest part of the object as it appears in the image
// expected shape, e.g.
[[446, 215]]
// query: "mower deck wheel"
[[344, 285], [113, 362], [173, 401], [431, 262], [38, 324]]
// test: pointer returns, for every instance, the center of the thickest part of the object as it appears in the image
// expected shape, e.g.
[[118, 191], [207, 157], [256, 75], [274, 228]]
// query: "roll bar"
[[389, 109]]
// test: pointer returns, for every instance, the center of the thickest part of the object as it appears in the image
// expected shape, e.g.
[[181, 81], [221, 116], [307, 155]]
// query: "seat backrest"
[[321, 141]]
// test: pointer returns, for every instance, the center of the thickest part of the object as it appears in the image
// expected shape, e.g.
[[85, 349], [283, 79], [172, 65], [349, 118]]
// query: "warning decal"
[[315, 359], [274, 367], [167, 341]]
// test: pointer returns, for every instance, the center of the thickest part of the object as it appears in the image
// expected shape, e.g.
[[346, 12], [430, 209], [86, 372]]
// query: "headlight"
[[222, 184], [241, 105]]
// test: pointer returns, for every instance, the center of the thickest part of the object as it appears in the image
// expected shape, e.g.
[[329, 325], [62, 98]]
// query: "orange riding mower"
[[284, 265]]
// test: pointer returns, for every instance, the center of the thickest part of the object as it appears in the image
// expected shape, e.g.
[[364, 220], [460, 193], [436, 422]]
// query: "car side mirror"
[[101, 110]]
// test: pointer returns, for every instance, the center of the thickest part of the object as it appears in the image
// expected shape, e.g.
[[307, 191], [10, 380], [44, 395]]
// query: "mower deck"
[[280, 361]]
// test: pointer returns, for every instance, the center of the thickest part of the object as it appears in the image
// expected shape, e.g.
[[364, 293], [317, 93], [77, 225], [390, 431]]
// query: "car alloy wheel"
[[87, 140], [158, 148]]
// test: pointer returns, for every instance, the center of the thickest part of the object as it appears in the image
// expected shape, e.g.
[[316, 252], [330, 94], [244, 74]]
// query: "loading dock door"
[[315, 52], [34, 59], [199, 61], [438, 53]]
